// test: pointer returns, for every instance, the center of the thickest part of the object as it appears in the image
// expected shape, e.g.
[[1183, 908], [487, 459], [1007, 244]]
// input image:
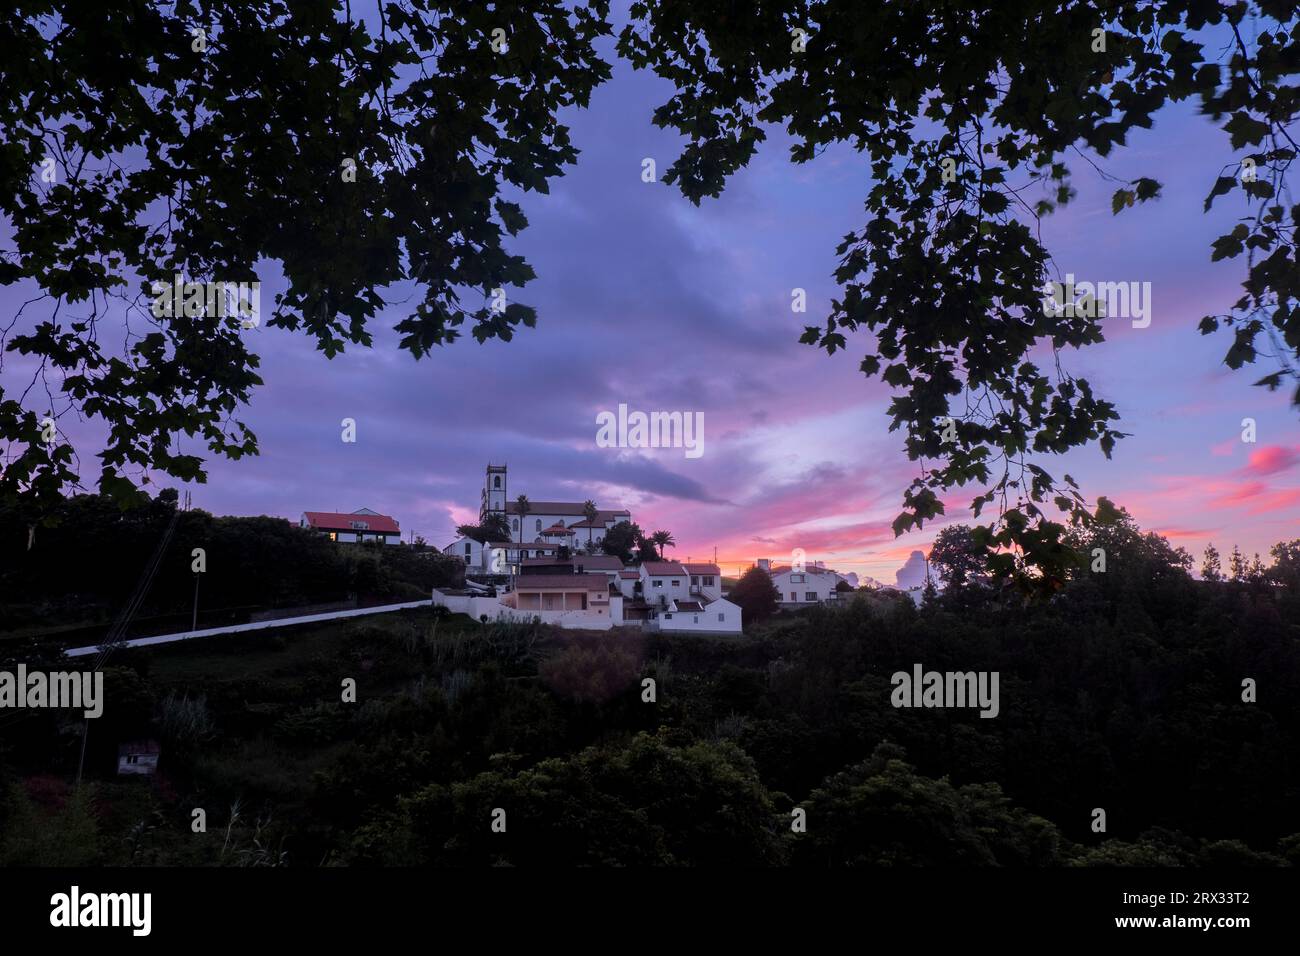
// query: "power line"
[[117, 633]]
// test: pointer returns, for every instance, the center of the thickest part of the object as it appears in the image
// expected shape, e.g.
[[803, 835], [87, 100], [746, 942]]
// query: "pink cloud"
[[1255, 496], [1271, 459], [1177, 534]]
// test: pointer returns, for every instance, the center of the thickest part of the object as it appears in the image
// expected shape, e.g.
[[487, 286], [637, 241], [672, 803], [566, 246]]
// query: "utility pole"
[[85, 731], [194, 622]]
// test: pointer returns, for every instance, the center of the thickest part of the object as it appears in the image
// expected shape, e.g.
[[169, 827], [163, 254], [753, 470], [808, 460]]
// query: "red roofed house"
[[571, 600], [664, 581], [706, 581], [363, 525], [607, 564]]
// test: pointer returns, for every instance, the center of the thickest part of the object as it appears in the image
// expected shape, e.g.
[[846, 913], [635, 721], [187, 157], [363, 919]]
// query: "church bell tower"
[[494, 492]]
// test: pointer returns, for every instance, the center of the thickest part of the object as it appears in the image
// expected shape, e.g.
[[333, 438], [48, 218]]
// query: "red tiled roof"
[[561, 582], [556, 529], [629, 574], [703, 569], [335, 521], [599, 562], [663, 568], [563, 508]]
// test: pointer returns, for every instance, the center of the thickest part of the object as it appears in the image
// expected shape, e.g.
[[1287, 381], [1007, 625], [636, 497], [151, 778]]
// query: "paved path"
[[255, 626]]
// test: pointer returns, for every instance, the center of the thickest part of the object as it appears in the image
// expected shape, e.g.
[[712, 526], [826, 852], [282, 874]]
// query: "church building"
[[549, 522]]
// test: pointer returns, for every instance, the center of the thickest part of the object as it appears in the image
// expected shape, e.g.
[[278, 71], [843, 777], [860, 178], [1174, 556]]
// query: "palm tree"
[[662, 539], [522, 507], [590, 512]]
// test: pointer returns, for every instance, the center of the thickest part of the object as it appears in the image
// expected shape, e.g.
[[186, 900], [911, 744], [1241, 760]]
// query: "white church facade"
[[546, 521]]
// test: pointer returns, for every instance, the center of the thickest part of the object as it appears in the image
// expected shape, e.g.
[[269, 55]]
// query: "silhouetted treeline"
[[1123, 693], [82, 570]]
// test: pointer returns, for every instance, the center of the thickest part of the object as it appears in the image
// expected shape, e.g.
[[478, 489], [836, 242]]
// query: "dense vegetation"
[[81, 571], [1123, 692]]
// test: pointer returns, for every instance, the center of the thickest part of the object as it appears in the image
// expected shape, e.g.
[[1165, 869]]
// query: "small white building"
[[497, 557], [717, 616], [138, 758]]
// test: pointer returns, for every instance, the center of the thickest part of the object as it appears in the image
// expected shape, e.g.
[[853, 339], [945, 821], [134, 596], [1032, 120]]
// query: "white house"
[[706, 580], [570, 600], [361, 525], [496, 557], [468, 550], [627, 582], [663, 582], [811, 584], [718, 615]]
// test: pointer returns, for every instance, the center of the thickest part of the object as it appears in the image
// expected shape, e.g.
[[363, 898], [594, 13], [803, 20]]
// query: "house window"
[[515, 524], [668, 616], [697, 619], [333, 536], [467, 549], [658, 583], [694, 580], [496, 482], [708, 581], [810, 596], [722, 616], [539, 524], [676, 582], [793, 596]]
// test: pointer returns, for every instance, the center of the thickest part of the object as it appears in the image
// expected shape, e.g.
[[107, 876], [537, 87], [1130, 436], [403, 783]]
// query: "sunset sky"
[[647, 300]]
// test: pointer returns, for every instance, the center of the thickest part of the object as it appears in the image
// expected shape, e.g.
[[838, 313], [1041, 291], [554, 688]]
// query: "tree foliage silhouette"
[[357, 155], [961, 109]]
